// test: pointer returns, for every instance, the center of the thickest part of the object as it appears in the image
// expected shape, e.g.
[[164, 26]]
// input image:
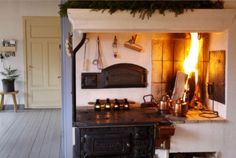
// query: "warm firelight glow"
[[190, 63]]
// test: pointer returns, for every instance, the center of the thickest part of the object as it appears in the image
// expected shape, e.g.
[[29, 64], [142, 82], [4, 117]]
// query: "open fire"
[[191, 69], [186, 82], [183, 67], [190, 63]]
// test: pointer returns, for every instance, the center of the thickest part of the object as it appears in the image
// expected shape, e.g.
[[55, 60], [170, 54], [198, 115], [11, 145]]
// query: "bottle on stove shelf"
[[126, 104], [116, 105], [107, 104], [97, 105]]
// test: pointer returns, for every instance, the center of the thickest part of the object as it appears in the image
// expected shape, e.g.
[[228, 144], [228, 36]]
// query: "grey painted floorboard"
[[38, 143], [5, 121], [30, 134], [45, 150], [55, 152], [21, 148], [12, 136]]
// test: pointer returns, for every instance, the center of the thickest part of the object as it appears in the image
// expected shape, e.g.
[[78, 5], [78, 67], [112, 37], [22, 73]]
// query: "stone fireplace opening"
[[169, 53], [170, 43]]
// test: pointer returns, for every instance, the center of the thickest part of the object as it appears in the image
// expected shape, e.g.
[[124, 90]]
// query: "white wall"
[[126, 56], [198, 137], [229, 128], [219, 41], [11, 27]]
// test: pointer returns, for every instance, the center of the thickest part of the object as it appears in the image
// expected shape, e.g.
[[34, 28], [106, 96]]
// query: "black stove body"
[[120, 134], [117, 142], [134, 133]]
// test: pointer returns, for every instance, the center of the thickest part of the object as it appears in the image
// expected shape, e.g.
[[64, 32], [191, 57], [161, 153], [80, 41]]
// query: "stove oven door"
[[105, 142]]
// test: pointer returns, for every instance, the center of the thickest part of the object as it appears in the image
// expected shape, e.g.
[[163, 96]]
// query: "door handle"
[[58, 77]]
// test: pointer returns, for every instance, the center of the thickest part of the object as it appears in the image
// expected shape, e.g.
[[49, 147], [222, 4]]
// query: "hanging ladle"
[[85, 62], [98, 61], [114, 45]]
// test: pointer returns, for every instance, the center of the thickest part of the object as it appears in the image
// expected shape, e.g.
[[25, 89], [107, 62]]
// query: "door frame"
[[24, 19]]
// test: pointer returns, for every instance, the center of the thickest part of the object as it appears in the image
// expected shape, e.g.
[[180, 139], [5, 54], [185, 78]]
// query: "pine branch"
[[143, 8]]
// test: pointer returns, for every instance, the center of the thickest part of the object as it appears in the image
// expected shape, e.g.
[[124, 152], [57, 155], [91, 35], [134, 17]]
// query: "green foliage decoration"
[[9, 73], [143, 8]]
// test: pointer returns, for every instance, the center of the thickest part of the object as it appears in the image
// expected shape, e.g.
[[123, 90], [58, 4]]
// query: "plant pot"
[[8, 85]]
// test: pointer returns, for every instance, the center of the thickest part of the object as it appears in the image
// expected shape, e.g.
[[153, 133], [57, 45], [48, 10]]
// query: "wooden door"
[[42, 37]]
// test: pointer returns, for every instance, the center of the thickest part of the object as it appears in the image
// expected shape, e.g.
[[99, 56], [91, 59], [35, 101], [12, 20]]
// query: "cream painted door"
[[42, 36]]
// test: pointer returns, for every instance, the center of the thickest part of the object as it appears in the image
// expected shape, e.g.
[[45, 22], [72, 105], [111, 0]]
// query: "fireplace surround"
[[213, 22], [218, 25]]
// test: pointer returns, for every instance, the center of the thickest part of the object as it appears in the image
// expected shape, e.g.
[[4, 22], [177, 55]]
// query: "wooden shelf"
[[7, 49]]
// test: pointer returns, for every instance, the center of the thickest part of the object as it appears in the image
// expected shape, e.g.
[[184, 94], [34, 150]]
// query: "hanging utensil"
[[98, 61], [115, 47], [85, 62]]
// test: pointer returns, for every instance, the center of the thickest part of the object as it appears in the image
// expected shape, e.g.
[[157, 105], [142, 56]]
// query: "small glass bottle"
[[97, 105], [108, 104], [116, 105], [126, 104]]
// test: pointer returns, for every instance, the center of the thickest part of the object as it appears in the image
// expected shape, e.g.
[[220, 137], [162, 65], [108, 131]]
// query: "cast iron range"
[[133, 133]]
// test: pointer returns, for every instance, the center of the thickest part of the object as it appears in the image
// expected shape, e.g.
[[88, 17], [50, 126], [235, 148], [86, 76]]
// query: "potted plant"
[[8, 82]]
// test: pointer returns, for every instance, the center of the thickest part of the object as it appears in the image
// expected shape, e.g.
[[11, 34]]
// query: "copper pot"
[[165, 104], [180, 108]]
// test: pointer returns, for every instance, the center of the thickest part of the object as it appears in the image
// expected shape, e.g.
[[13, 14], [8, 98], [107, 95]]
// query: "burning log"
[[186, 88], [191, 82], [179, 87]]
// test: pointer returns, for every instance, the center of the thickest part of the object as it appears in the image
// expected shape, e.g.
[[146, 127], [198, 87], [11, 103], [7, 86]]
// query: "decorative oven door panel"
[[114, 142], [105, 142], [123, 75], [109, 144]]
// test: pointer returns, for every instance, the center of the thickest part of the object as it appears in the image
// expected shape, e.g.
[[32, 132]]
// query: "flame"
[[196, 76], [190, 63]]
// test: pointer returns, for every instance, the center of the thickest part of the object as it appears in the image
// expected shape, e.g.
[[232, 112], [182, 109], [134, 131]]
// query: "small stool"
[[13, 98]]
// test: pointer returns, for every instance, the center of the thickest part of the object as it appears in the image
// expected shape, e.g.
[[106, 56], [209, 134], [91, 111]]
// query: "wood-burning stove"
[[133, 133]]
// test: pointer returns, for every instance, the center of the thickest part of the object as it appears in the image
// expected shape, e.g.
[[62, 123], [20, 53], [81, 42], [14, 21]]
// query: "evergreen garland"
[[143, 8]]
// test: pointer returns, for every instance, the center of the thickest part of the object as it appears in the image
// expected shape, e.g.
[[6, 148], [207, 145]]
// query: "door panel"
[[43, 31], [43, 62], [55, 67], [35, 64], [45, 97]]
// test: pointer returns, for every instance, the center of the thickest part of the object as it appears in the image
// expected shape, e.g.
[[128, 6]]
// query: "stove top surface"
[[86, 116]]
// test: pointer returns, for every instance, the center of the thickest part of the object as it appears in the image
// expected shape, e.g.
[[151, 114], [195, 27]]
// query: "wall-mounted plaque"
[[217, 75]]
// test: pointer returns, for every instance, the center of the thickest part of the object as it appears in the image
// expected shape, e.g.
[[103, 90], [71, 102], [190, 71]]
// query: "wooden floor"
[[30, 134]]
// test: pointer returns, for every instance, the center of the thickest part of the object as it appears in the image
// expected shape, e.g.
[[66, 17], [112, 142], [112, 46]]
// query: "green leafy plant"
[[143, 8], [9, 73]]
